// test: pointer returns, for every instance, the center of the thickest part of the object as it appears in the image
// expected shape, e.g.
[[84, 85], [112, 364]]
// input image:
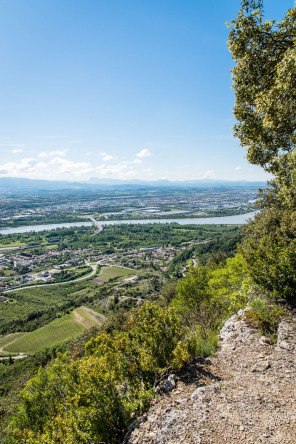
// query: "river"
[[228, 220]]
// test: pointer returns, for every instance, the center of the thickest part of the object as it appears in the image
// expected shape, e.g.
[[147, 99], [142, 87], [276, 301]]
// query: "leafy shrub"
[[93, 398], [206, 341], [192, 291], [266, 315], [208, 295]]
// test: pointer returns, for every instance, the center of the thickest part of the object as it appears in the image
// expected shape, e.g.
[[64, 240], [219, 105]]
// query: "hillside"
[[61, 330], [246, 393]]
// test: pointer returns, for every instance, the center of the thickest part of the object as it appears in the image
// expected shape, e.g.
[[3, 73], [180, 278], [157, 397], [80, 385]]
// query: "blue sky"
[[119, 89]]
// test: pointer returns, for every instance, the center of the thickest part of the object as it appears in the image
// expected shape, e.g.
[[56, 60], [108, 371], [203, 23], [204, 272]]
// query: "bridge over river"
[[97, 224]]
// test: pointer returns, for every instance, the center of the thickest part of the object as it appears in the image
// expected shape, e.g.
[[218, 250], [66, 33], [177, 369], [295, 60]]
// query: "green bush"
[[206, 341], [93, 398], [266, 315]]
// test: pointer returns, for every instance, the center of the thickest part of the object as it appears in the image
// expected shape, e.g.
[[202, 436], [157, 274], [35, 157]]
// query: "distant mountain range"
[[176, 183], [21, 185]]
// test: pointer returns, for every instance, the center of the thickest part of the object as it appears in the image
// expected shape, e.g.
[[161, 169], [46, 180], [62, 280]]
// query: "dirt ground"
[[246, 394]]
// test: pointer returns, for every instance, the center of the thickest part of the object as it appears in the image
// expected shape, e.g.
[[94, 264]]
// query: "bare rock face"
[[264, 341], [261, 366], [246, 394], [237, 331], [285, 335], [205, 394]]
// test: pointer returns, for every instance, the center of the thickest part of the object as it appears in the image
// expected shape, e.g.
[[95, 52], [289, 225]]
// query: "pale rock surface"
[[246, 394]]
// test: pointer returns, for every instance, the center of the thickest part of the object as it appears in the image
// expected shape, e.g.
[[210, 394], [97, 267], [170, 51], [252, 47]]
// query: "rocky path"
[[246, 394]]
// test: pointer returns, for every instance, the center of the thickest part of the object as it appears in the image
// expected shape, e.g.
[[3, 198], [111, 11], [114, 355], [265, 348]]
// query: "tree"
[[192, 292], [264, 80], [269, 249]]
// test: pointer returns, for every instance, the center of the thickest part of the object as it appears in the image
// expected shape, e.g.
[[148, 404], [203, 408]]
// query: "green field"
[[63, 329], [4, 340], [54, 333], [12, 245], [89, 317], [51, 247], [113, 272]]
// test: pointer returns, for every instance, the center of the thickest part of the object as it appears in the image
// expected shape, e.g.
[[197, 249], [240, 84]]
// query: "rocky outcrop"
[[246, 394]]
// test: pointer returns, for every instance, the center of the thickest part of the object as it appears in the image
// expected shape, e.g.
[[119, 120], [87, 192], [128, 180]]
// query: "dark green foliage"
[[226, 244], [117, 321], [131, 236], [66, 275], [169, 292], [265, 109], [269, 249]]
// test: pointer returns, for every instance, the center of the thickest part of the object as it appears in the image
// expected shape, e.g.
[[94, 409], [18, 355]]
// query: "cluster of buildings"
[[157, 204], [17, 269], [137, 258]]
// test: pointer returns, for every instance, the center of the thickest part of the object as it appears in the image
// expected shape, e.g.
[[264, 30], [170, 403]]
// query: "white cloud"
[[66, 166], [106, 157], [24, 167], [17, 150], [53, 153], [238, 168], [122, 170], [60, 167], [209, 174], [144, 153], [56, 168]]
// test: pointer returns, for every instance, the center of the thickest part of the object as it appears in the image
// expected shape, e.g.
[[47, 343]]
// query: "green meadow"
[[60, 330], [113, 272]]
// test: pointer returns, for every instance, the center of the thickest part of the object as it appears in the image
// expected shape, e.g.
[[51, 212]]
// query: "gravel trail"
[[246, 394]]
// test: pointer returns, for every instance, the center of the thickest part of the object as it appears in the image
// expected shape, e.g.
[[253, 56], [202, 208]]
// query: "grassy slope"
[[112, 272], [55, 332], [89, 320], [4, 340], [24, 302], [58, 331]]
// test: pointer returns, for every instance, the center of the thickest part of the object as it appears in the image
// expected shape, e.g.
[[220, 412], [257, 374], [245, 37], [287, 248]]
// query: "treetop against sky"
[[128, 90]]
